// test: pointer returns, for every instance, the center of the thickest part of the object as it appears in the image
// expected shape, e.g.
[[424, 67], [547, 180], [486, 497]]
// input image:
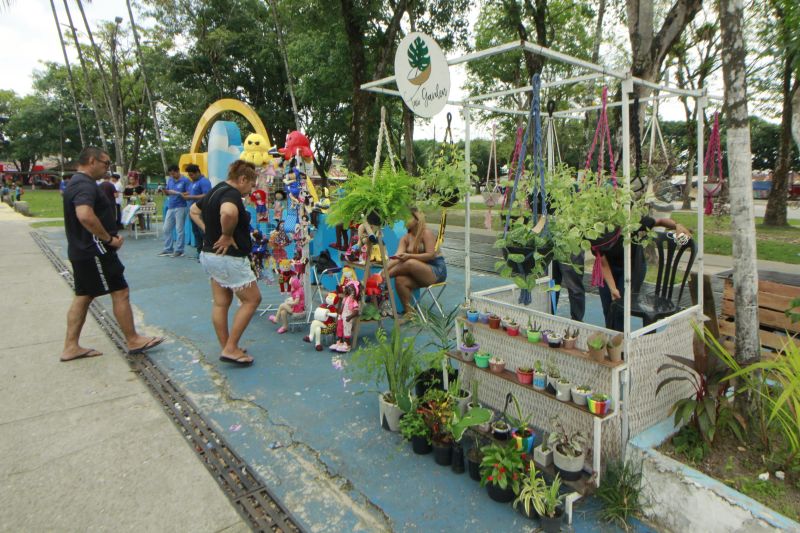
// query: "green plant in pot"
[[532, 488], [469, 346], [442, 179], [548, 505], [501, 471], [392, 359], [458, 425], [568, 450], [441, 340], [415, 430], [437, 408], [385, 200], [521, 431], [526, 253]]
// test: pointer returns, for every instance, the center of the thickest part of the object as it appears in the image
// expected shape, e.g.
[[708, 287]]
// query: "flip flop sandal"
[[88, 353], [152, 343], [239, 362]]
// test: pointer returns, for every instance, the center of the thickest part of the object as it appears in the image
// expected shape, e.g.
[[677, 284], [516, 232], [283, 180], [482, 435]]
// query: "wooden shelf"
[[511, 377], [523, 338], [583, 486]]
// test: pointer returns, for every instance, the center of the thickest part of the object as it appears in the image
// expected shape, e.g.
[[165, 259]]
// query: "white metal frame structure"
[[592, 72]]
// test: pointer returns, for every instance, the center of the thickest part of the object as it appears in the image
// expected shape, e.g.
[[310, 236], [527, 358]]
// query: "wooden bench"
[[775, 293]]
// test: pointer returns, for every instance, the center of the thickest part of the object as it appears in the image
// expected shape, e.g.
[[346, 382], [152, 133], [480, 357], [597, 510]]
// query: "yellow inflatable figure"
[[255, 150]]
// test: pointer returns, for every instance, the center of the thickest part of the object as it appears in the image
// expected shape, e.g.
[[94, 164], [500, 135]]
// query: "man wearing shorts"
[[92, 244], [225, 223]]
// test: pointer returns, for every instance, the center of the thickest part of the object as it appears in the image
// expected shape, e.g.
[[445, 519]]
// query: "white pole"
[[627, 88], [467, 223], [701, 104], [551, 159]]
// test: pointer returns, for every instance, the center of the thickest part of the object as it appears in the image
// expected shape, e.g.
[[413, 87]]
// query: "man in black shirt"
[[221, 216], [92, 244]]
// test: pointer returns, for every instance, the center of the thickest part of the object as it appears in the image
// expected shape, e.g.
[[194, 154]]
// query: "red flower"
[[502, 469], [490, 478], [515, 475], [524, 456], [496, 465]]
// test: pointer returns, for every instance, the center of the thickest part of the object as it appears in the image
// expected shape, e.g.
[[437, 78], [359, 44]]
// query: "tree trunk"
[[745, 272], [72, 90], [775, 214], [796, 119]]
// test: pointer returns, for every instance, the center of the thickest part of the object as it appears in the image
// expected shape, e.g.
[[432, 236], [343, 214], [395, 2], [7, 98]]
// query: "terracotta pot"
[[526, 378], [569, 344], [494, 322], [497, 368]]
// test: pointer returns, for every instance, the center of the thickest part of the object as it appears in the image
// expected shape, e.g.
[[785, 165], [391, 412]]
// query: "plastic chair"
[[148, 214], [660, 303]]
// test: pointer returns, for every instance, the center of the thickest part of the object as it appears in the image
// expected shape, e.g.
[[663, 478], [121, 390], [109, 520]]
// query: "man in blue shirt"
[[199, 188], [175, 219]]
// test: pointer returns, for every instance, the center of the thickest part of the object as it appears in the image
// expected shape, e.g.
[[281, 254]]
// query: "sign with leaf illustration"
[[422, 74]]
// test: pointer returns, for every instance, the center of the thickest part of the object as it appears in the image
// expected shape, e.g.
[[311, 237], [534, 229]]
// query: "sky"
[[28, 38]]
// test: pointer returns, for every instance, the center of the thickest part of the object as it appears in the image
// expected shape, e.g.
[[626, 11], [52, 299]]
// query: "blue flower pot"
[[472, 317]]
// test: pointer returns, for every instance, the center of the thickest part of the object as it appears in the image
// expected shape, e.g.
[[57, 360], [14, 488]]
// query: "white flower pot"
[[568, 464], [563, 391], [390, 412], [580, 397], [541, 457]]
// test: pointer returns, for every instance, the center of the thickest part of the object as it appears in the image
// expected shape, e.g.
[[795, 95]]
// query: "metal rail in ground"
[[252, 499]]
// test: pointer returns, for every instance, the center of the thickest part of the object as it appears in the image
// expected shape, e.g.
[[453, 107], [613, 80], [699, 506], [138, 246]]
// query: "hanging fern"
[[390, 197]]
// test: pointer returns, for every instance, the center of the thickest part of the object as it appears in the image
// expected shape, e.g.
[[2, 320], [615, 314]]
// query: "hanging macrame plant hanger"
[[448, 139], [491, 197], [712, 167]]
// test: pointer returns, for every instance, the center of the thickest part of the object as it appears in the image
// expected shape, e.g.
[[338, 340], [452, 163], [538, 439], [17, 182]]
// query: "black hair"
[[89, 153], [173, 168], [191, 167]]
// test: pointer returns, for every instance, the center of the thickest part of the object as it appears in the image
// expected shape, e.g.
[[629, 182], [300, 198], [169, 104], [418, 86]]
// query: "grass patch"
[[48, 224], [45, 203]]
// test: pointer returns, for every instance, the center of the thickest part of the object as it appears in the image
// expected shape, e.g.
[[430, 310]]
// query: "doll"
[[344, 326], [277, 206], [294, 304], [285, 274], [259, 198], [278, 240], [324, 320], [259, 251]]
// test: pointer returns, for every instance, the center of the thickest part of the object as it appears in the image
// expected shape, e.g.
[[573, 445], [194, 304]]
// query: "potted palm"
[[501, 470], [414, 430], [393, 360], [568, 451]]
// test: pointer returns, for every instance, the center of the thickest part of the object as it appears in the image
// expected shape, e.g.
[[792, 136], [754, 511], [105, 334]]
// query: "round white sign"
[[422, 74]]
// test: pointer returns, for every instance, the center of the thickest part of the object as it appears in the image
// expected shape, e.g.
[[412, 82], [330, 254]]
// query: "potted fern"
[[439, 182], [383, 201]]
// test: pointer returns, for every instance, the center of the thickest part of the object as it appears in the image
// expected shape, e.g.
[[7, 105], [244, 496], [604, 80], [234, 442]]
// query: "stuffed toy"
[[293, 305], [286, 273], [259, 198], [278, 240], [255, 150], [324, 320], [295, 142], [344, 326]]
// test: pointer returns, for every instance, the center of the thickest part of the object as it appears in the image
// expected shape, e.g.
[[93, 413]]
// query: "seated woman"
[[416, 263], [612, 264]]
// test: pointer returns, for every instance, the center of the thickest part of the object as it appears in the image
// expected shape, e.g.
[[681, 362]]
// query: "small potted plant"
[[539, 376], [521, 431], [532, 488], [568, 451], [414, 429], [534, 333], [501, 470], [548, 506], [597, 346], [472, 315], [494, 321], [497, 364], [580, 393], [525, 375], [554, 339], [461, 397], [512, 328], [457, 425], [505, 321], [437, 408], [469, 346], [543, 455], [563, 387], [570, 338], [501, 430], [482, 359], [614, 348], [483, 317], [546, 335], [553, 375], [599, 403]]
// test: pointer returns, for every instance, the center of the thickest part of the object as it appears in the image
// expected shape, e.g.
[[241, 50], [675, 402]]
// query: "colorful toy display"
[[324, 320], [255, 150], [344, 326]]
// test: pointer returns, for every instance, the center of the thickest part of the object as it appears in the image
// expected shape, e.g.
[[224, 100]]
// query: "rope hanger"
[[714, 155], [448, 134], [383, 133]]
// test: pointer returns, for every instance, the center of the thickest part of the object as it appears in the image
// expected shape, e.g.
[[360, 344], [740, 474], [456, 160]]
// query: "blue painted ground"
[[315, 440]]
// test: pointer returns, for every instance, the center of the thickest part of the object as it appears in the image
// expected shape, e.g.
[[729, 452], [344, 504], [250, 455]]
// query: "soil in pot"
[[500, 495], [552, 524], [420, 445], [501, 434], [443, 453], [457, 459]]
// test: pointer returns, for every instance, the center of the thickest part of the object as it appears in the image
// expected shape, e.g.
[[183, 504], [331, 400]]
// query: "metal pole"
[[147, 87], [71, 81], [468, 187], [701, 103], [627, 88]]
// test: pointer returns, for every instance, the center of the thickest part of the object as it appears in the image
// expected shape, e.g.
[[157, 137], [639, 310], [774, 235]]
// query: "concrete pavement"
[[83, 445]]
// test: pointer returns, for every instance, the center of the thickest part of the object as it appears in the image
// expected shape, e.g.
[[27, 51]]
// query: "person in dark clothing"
[[225, 223], [612, 264], [92, 244], [109, 191]]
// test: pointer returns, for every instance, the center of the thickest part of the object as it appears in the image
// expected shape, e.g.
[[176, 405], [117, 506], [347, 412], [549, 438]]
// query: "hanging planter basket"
[[529, 261], [449, 200], [491, 198]]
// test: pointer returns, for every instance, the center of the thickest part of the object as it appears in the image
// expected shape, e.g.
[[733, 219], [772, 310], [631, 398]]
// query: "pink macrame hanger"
[[512, 166], [713, 155], [603, 133]]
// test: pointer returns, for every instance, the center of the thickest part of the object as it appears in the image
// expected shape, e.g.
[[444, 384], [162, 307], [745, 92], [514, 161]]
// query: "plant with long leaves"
[[389, 197], [708, 408]]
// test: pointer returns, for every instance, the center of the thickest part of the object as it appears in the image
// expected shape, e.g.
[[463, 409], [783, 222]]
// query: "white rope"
[[383, 133]]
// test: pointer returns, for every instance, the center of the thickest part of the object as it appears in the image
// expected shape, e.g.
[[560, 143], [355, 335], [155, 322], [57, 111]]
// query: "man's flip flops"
[[88, 353], [152, 343], [239, 362]]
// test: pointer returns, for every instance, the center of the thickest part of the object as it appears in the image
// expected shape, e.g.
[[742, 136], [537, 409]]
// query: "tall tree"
[[784, 24], [69, 71], [745, 273]]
